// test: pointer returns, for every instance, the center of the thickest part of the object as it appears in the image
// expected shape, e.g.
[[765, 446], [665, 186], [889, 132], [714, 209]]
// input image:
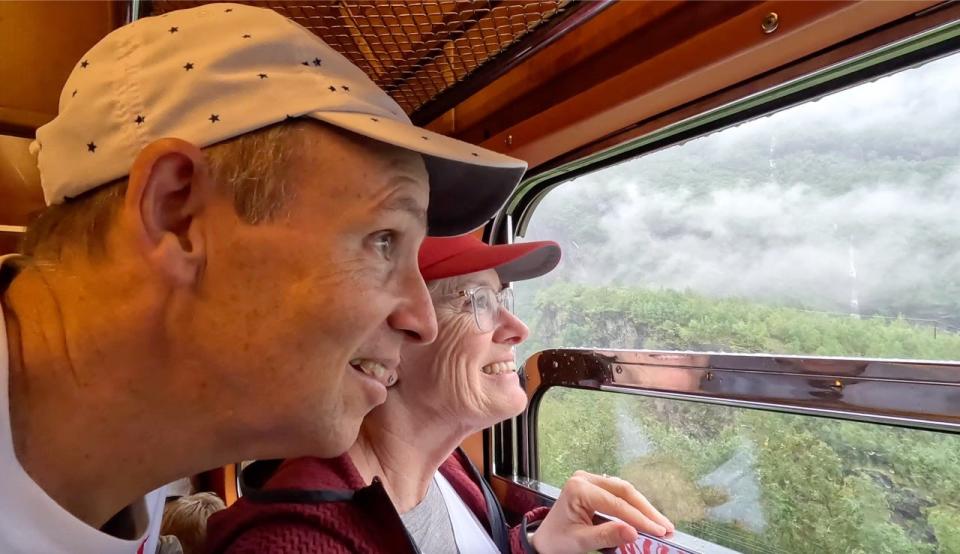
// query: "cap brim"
[[513, 262], [468, 184]]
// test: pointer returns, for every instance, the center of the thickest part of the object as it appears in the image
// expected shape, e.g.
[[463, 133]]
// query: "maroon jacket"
[[310, 505]]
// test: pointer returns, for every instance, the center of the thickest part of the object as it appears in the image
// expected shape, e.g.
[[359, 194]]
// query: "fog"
[[846, 204]]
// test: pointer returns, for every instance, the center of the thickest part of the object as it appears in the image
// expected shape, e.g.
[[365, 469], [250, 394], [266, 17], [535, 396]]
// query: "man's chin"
[[367, 392], [331, 443]]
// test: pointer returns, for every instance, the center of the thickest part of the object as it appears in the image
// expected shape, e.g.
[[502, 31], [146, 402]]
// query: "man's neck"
[[395, 445], [72, 432]]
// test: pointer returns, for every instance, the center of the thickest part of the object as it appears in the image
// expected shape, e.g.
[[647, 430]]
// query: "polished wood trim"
[[573, 15], [9, 242], [483, 113], [928, 19], [221, 481], [230, 484], [674, 68], [473, 446], [21, 122], [20, 193]]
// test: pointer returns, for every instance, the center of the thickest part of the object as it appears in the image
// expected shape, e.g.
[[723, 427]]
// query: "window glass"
[[829, 228], [762, 482]]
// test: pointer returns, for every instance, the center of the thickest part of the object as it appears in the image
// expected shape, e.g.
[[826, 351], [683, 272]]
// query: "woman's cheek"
[[455, 360]]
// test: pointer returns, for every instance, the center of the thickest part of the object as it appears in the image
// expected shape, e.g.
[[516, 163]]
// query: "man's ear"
[[169, 185]]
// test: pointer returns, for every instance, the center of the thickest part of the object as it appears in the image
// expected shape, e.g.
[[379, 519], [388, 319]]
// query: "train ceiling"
[[415, 50]]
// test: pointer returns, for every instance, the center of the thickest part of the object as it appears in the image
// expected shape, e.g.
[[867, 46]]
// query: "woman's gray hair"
[[439, 288]]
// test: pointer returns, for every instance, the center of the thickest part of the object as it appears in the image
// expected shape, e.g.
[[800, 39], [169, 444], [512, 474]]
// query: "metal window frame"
[[870, 390]]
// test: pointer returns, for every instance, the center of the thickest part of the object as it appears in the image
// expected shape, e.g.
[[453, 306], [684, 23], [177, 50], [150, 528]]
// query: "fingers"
[[625, 490], [607, 535], [626, 502]]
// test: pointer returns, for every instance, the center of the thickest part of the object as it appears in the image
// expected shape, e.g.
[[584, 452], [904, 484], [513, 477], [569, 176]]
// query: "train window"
[[828, 228], [763, 482]]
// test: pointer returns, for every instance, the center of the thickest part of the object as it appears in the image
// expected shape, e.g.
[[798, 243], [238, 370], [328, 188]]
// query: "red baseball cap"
[[442, 257]]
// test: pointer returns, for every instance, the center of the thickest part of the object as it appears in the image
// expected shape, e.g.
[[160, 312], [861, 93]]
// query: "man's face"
[[303, 317]]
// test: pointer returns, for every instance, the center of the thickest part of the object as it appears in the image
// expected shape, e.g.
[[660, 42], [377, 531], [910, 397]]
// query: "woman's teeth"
[[497, 368]]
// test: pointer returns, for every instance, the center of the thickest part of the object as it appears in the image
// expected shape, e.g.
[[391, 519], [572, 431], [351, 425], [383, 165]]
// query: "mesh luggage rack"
[[415, 50]]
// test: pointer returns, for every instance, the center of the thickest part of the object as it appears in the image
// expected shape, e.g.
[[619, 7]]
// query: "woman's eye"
[[483, 302], [384, 243]]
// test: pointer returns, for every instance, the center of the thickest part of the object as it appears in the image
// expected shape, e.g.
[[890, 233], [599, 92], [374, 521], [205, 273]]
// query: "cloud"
[[856, 195]]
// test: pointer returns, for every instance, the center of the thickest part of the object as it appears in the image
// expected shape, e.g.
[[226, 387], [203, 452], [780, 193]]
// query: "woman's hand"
[[569, 528]]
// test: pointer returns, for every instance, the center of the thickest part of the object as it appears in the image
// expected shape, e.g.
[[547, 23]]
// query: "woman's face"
[[466, 374]]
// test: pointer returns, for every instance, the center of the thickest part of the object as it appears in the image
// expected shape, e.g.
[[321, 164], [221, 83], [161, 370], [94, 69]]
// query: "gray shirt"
[[429, 523]]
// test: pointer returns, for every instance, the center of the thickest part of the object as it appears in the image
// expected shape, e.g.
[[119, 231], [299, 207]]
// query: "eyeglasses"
[[486, 303]]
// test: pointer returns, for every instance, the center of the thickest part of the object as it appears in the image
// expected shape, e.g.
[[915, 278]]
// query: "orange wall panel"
[[39, 44], [20, 193]]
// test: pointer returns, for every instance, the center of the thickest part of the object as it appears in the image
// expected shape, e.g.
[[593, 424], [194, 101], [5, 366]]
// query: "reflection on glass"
[[829, 228], [763, 482]]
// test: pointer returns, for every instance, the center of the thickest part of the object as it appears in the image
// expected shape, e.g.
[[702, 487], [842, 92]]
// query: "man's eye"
[[384, 243]]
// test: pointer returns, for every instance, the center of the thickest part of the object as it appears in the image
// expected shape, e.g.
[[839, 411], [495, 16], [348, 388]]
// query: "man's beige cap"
[[217, 71]]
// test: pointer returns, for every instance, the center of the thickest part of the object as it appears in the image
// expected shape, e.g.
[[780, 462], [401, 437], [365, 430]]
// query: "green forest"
[[826, 229], [823, 484]]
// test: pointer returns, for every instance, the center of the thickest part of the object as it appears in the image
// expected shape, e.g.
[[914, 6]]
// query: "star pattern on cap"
[[214, 118]]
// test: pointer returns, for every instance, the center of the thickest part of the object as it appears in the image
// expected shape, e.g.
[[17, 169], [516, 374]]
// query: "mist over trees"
[[829, 229], [848, 204]]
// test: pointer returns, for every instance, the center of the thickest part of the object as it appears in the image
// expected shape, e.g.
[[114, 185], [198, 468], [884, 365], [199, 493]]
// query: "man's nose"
[[414, 314]]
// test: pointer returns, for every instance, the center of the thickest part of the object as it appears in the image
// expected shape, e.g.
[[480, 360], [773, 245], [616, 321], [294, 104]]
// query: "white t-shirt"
[[32, 522], [471, 536]]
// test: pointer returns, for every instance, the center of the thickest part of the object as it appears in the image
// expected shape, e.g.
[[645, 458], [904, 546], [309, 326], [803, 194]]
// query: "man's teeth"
[[497, 368], [371, 368]]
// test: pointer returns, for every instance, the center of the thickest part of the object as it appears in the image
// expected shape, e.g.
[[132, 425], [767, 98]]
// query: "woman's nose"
[[510, 330]]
